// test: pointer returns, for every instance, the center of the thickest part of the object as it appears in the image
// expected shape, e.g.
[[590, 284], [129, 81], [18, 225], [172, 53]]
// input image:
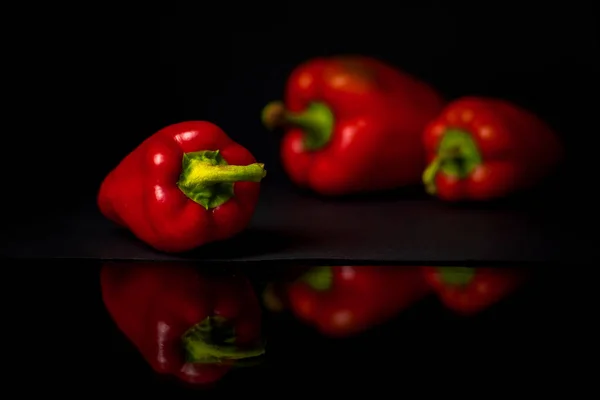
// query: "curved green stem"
[[457, 155], [212, 342], [316, 121], [318, 278], [456, 276], [430, 173], [207, 179], [273, 115]]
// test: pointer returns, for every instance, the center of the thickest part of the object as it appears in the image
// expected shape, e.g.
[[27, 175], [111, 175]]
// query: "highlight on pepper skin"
[[186, 324], [341, 301]]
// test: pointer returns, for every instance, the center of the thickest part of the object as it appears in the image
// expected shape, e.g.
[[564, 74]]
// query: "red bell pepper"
[[353, 124], [185, 324], [184, 186], [468, 291], [482, 148], [344, 300]]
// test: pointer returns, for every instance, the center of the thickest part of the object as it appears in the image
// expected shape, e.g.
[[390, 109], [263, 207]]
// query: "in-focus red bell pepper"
[[353, 124], [482, 148], [186, 185], [185, 324], [468, 291], [344, 300]]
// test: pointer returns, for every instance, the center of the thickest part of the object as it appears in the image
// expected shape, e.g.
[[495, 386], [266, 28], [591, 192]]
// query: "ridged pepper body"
[[353, 124], [187, 185], [482, 149]]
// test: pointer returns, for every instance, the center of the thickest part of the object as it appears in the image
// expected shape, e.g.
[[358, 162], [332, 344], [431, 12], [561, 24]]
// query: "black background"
[[84, 85]]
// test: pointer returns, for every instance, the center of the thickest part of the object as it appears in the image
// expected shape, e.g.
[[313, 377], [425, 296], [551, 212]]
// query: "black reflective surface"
[[63, 337], [289, 225]]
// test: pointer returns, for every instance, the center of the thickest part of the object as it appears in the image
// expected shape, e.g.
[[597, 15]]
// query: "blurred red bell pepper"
[[186, 185], [481, 148], [468, 291], [353, 124], [343, 300], [185, 324]]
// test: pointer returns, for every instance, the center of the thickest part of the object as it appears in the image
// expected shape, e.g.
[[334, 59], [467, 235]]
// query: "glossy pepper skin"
[[185, 324], [343, 301], [186, 185], [353, 124], [482, 149], [468, 291]]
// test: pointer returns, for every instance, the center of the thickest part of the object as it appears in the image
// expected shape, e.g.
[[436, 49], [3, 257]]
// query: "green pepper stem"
[[436, 165], [200, 352], [318, 278], [457, 156], [316, 121], [208, 179], [273, 115], [201, 173], [199, 349], [456, 276], [271, 299], [430, 173]]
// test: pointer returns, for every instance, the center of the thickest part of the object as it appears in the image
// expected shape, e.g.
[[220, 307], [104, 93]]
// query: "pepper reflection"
[[197, 325], [347, 300], [185, 323], [469, 291]]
